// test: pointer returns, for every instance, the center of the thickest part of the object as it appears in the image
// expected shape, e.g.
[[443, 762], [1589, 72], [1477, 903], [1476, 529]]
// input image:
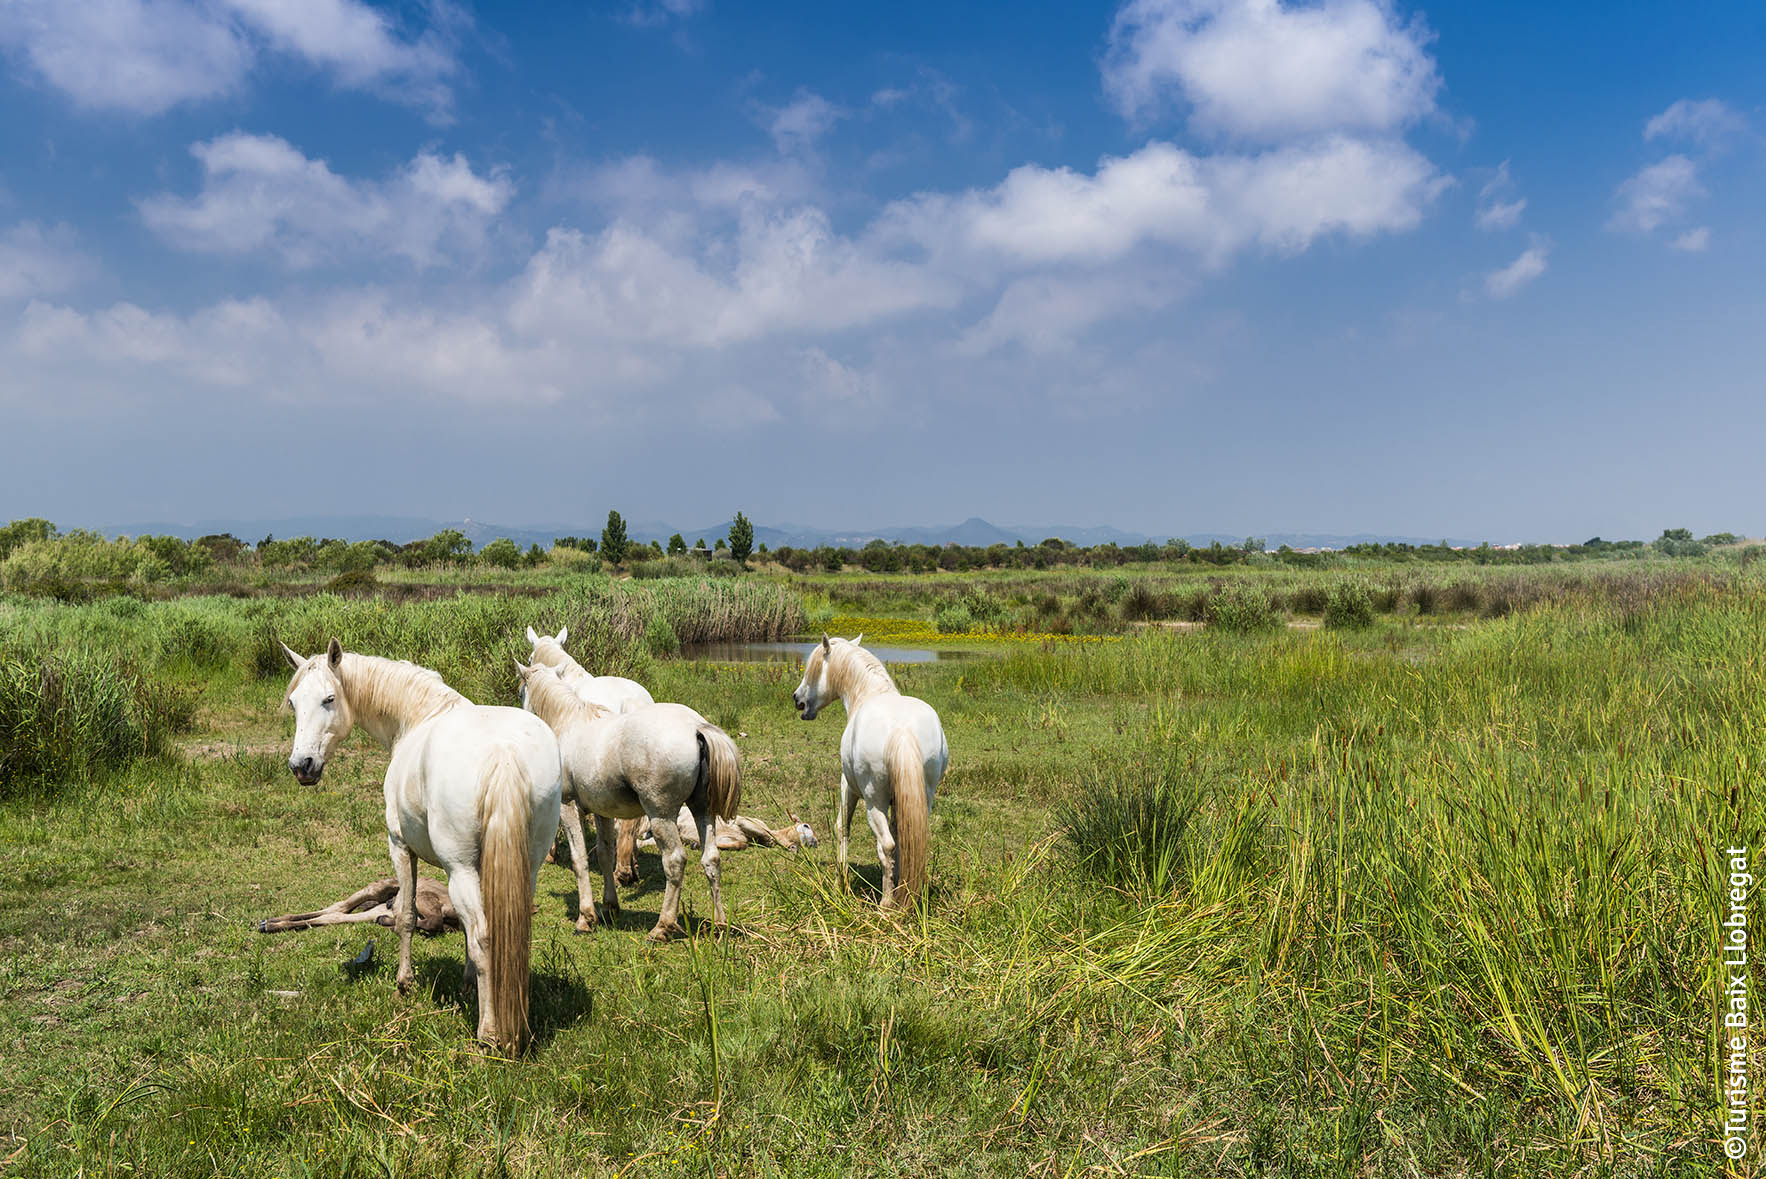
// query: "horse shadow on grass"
[[558, 998]]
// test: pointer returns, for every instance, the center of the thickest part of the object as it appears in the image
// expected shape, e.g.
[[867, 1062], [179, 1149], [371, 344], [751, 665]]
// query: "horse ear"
[[294, 661], [334, 653], [532, 637], [562, 631], [860, 639], [522, 669], [825, 641]]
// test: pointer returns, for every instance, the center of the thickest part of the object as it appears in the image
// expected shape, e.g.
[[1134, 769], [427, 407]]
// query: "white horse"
[[615, 693], [892, 753], [645, 763], [471, 789]]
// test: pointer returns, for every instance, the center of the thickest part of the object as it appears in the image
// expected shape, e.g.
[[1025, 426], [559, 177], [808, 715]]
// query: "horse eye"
[[328, 701]]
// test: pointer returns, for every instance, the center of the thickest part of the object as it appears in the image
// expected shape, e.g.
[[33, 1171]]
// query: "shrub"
[[954, 619], [354, 583], [1242, 609], [1143, 604], [1349, 606]]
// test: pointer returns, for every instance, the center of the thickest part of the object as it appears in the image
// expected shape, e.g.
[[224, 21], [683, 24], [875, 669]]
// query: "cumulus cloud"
[[1501, 284], [1212, 206], [260, 193], [1656, 195], [1693, 241], [1709, 123], [797, 125], [39, 260], [144, 57], [1266, 70]]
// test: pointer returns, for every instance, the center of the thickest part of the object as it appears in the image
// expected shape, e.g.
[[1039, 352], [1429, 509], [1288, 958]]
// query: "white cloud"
[[1709, 123], [1047, 314], [144, 57], [1656, 195], [138, 56], [1211, 206], [1693, 241], [35, 260], [260, 193], [1493, 211], [1264, 70], [797, 125], [1500, 284]]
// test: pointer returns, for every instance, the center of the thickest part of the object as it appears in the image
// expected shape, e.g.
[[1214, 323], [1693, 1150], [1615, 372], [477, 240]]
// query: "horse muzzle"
[[306, 771]]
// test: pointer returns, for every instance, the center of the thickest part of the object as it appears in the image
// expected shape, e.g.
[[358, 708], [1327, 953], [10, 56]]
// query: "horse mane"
[[856, 673], [395, 687], [553, 701], [550, 652]]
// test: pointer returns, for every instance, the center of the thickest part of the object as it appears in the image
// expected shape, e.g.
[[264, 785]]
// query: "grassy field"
[[1435, 896]]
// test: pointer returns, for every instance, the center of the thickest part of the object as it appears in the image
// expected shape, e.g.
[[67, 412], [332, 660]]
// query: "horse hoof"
[[662, 934], [405, 985], [584, 925]]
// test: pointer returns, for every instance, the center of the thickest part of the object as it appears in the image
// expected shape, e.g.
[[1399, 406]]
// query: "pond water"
[[798, 652]]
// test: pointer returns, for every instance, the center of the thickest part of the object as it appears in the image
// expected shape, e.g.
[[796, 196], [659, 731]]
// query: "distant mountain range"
[[973, 531]]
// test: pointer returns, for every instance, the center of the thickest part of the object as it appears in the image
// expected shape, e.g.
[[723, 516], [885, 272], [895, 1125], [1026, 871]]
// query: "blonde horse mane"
[[553, 701], [855, 674], [388, 687], [549, 652]]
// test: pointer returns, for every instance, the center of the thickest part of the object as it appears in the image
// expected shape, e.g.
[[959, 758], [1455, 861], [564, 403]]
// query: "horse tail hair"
[[721, 770], [907, 781], [505, 871]]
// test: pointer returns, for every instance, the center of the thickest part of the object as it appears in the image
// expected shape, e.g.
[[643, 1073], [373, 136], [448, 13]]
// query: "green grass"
[[1406, 899]]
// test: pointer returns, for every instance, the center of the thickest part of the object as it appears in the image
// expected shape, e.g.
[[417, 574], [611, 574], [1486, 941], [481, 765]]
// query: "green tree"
[[741, 539], [22, 531], [719, 546], [501, 552], [676, 546], [613, 539]]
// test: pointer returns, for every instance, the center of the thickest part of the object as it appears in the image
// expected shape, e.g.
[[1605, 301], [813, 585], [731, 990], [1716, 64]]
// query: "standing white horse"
[[471, 789], [615, 693], [892, 753], [647, 762]]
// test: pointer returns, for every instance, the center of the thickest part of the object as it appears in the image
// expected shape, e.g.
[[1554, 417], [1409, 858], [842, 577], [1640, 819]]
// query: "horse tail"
[[720, 770], [505, 871], [907, 781]]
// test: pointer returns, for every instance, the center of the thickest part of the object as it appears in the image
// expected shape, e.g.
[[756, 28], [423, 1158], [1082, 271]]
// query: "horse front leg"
[[843, 826], [579, 863], [604, 837], [404, 868], [674, 863], [878, 817]]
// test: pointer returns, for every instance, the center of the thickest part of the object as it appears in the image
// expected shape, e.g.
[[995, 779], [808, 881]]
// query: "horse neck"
[[390, 698], [559, 706], [858, 676]]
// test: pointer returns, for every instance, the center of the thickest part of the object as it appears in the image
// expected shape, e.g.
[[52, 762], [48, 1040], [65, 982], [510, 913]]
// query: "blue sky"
[[1174, 265]]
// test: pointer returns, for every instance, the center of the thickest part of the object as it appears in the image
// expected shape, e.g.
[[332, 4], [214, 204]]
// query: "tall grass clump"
[[68, 717], [1348, 606], [1132, 834], [1242, 609]]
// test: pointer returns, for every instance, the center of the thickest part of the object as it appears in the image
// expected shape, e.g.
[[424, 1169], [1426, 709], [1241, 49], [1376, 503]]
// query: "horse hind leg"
[[674, 863], [464, 890], [706, 822], [878, 818], [843, 826]]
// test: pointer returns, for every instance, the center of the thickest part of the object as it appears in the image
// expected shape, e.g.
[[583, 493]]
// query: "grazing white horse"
[[645, 763], [615, 693], [892, 753], [471, 789]]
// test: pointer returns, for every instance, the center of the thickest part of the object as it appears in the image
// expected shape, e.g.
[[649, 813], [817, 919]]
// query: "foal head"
[[322, 714]]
